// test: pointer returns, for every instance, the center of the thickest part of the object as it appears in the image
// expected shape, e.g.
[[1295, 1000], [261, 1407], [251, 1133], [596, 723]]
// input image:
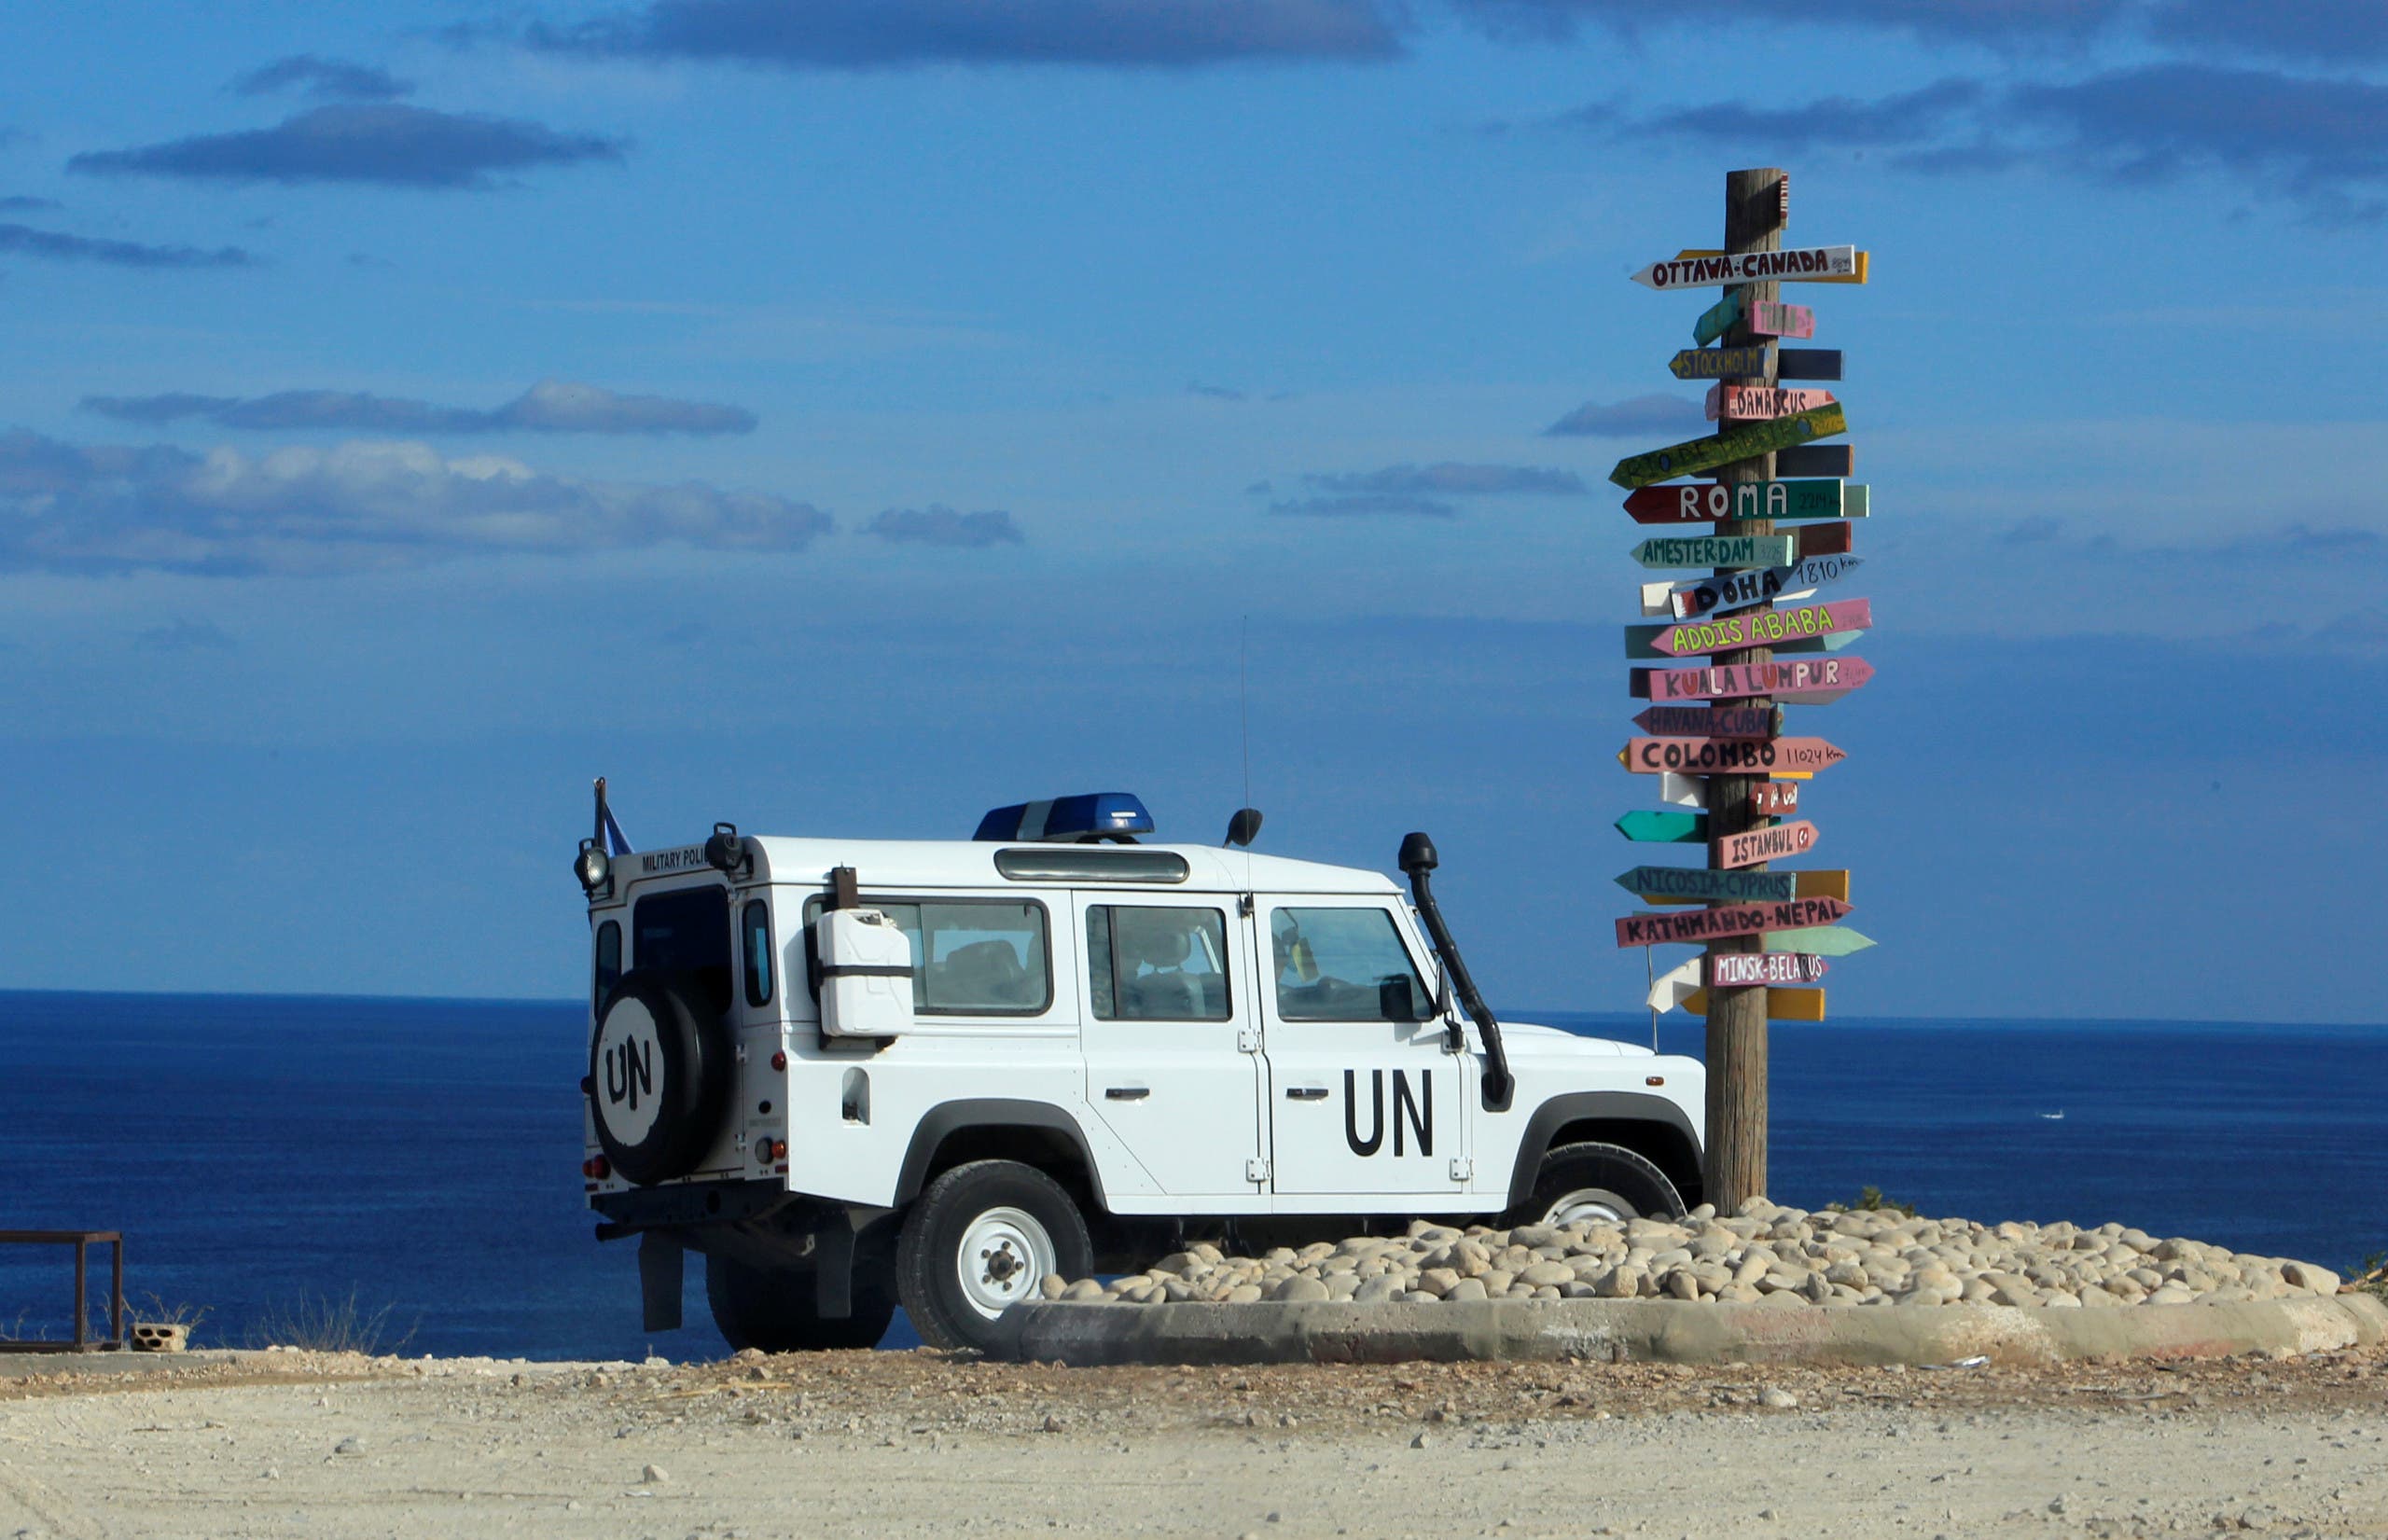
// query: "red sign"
[[1703, 722], [1776, 843], [1800, 681], [1771, 799], [1761, 628], [1729, 756], [1755, 403], [1649, 930], [1736, 970], [1822, 539]]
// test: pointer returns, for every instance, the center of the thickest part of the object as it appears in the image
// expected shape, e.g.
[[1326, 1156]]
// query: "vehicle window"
[[970, 957], [684, 930], [1157, 964], [609, 962], [1344, 966], [758, 952]]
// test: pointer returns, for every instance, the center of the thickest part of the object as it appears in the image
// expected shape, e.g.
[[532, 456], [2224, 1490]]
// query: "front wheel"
[[774, 1310], [980, 1238], [1590, 1183]]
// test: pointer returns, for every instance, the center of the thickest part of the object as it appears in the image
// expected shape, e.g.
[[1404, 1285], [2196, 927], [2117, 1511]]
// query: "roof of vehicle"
[[900, 865]]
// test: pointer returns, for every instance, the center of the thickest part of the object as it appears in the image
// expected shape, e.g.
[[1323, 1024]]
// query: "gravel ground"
[[303, 1445]]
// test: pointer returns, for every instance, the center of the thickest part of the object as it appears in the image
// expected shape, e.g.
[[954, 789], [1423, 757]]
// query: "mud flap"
[[833, 1275], [661, 1272]]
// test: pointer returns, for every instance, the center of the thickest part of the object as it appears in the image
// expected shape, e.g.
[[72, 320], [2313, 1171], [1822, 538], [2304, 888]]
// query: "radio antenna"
[[1243, 699]]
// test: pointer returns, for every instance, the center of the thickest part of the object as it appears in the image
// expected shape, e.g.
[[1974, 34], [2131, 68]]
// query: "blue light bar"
[[1089, 815]]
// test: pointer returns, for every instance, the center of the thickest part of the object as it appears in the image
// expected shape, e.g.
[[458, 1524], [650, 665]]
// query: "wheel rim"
[[1589, 1206], [1005, 1254]]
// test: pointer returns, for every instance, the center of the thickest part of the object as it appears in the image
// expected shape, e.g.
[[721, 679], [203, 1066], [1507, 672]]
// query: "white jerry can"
[[865, 973]]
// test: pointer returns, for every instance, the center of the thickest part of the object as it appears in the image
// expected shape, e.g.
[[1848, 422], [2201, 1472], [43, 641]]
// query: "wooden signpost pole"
[[1755, 210]]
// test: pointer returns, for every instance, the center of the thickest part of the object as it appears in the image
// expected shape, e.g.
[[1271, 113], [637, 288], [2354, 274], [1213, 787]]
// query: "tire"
[[773, 1311], [1594, 1181], [659, 1074], [983, 1237]]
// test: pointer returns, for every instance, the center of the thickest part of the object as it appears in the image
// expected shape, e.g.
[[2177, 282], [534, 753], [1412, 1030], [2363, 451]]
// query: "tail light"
[[779, 1059], [597, 1167]]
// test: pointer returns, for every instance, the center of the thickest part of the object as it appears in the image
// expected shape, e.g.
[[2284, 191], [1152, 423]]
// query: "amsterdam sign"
[[1799, 681], [1764, 628], [1795, 264], [1706, 502], [1717, 551], [1649, 930], [1744, 442]]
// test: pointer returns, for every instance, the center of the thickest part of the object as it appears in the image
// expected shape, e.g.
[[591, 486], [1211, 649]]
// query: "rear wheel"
[[772, 1309], [1593, 1182], [981, 1238]]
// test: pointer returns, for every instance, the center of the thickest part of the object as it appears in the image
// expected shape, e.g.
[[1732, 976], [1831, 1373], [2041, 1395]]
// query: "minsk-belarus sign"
[[1733, 970], [1745, 442], [1792, 264]]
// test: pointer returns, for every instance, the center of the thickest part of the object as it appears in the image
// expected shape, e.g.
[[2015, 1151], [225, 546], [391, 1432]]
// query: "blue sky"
[[847, 417]]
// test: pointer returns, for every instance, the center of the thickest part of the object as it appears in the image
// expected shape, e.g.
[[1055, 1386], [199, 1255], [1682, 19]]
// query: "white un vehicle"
[[860, 1074]]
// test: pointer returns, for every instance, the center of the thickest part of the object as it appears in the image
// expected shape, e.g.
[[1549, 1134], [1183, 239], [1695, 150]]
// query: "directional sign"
[[1717, 551], [1860, 276], [1807, 363], [1682, 791], [1702, 501], [1707, 885], [1798, 681], [1672, 988], [1722, 448], [1649, 930], [1642, 647], [1770, 798], [1723, 364], [1816, 460], [1700, 722], [1729, 756], [1764, 628], [1719, 317], [1664, 828], [1780, 1005], [1778, 842], [1823, 940], [1755, 403], [1740, 589], [1740, 970], [1793, 264], [1768, 319]]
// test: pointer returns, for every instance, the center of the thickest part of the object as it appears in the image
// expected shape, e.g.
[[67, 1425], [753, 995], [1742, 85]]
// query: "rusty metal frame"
[[82, 1242]]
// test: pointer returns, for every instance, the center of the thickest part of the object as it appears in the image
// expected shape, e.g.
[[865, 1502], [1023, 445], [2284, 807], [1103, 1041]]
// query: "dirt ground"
[[304, 1445]]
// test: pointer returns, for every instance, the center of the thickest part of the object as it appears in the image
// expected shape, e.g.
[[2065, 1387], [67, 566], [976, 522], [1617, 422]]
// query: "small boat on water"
[[2055, 1116]]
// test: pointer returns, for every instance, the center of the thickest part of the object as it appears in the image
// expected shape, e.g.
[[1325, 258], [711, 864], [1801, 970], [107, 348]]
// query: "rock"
[[1623, 1282], [1777, 1398], [1682, 1285], [1085, 1288], [2306, 1276], [653, 1475], [1466, 1288], [1439, 1281], [1548, 1273], [1243, 1293], [1377, 1290], [1299, 1290], [348, 1445]]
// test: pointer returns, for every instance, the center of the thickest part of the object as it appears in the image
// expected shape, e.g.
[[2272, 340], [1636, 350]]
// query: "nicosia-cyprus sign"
[[1744, 442], [1830, 678], [1649, 930], [1792, 264], [1729, 756], [1776, 843], [1761, 628], [1704, 502]]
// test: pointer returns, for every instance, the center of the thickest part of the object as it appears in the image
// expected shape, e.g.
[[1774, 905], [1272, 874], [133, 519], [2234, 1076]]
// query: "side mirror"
[[1396, 1001], [1245, 827]]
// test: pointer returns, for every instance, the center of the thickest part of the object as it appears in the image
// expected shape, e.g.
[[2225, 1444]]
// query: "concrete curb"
[[1674, 1332]]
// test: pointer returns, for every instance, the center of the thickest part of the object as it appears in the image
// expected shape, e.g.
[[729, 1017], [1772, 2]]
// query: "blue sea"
[[422, 1157]]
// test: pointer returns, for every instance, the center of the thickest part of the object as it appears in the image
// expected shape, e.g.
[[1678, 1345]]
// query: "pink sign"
[[1768, 318], [1773, 798], [1757, 403], [1729, 755], [1801, 681], [1735, 970], [1777, 843]]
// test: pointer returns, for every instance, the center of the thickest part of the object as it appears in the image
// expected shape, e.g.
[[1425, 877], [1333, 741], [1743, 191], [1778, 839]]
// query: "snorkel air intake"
[[1417, 859]]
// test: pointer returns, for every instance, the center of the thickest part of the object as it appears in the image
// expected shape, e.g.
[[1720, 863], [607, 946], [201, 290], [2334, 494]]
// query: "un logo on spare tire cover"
[[626, 1099], [659, 1072]]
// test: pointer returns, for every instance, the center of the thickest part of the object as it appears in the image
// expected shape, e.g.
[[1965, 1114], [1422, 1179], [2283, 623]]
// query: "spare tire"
[[660, 1074]]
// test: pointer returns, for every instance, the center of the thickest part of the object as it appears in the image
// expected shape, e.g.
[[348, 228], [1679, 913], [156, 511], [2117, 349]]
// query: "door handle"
[[1127, 1093], [1305, 1093]]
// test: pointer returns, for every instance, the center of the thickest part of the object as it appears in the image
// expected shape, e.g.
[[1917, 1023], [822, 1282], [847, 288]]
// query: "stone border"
[[1672, 1331]]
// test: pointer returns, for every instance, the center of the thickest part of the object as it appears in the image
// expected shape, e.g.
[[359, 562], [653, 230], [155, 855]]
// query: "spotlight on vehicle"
[[726, 851], [595, 868]]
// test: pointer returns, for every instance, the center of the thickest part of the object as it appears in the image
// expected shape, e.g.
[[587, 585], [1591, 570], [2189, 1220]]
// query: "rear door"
[[1363, 1097], [1168, 1030]]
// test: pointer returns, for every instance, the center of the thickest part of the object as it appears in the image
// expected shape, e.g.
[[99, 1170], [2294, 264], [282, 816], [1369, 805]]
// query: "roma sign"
[[1776, 843], [1721, 364], [1799, 682], [1702, 501], [1756, 403], [1794, 264], [1763, 628], [1729, 756], [1650, 930], [1745, 442], [1740, 589]]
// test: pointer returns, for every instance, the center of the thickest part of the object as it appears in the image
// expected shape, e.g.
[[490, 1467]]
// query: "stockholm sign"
[[1722, 363]]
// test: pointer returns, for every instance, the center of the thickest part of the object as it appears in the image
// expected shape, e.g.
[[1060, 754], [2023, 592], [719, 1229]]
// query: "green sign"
[[1700, 884], [1665, 829], [1719, 317], [1745, 442], [1822, 940], [1719, 550]]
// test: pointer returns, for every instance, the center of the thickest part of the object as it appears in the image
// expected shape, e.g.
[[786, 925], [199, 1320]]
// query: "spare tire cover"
[[659, 1074]]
